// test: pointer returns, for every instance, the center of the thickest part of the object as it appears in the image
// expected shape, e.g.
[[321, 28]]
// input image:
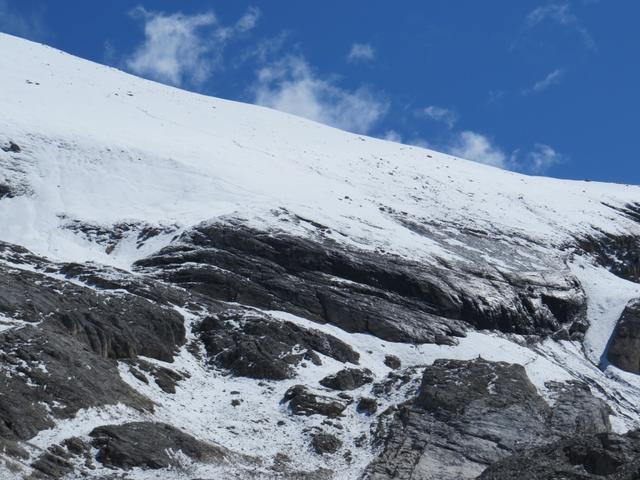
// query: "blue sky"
[[541, 87]]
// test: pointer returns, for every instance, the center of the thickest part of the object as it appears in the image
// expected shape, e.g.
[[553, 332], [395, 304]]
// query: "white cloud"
[[538, 160], [439, 114], [392, 136], [561, 14], [247, 22], [361, 52], [477, 147], [292, 86], [183, 49], [551, 79]]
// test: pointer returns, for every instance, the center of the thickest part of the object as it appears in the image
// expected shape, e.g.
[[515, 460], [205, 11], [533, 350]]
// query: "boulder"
[[325, 443], [302, 401], [347, 379]]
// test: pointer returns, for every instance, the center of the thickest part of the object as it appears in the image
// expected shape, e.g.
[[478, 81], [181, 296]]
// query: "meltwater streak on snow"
[[102, 146]]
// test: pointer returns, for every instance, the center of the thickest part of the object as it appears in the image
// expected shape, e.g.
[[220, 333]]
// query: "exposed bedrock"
[[61, 344], [469, 414], [624, 346], [391, 297], [257, 346], [148, 446], [590, 457], [618, 253], [113, 326]]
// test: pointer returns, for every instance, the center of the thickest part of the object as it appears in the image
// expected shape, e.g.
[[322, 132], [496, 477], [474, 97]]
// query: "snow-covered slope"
[[102, 146], [99, 166]]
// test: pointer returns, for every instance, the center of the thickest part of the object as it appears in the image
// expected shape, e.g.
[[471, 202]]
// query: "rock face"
[[256, 346], [111, 326], [386, 296], [469, 414], [589, 457], [620, 254], [148, 446], [624, 348], [62, 359], [80, 336]]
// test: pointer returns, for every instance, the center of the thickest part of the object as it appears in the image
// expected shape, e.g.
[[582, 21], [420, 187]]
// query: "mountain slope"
[[278, 252]]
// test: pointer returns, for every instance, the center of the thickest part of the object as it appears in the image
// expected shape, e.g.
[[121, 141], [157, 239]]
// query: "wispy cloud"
[[561, 14], [361, 52], [440, 114], [538, 160], [291, 85], [28, 25], [553, 78], [392, 136], [181, 49], [480, 148]]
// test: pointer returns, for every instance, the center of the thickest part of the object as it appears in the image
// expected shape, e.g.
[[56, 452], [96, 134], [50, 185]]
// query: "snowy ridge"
[[131, 149]]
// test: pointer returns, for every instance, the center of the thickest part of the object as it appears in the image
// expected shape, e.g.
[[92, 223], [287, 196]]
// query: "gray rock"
[[147, 445], [387, 296], [367, 405], [392, 362], [469, 414], [302, 401], [257, 346], [624, 347], [589, 457], [325, 443], [11, 147], [347, 379]]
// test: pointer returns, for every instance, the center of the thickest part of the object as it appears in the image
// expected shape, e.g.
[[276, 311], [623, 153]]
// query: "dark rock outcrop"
[[469, 414], [147, 445], [112, 326], [589, 457], [620, 254], [392, 362], [385, 295], [302, 401], [164, 377], [347, 379], [624, 346], [325, 443], [11, 147], [367, 405], [5, 191], [257, 346], [63, 356]]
